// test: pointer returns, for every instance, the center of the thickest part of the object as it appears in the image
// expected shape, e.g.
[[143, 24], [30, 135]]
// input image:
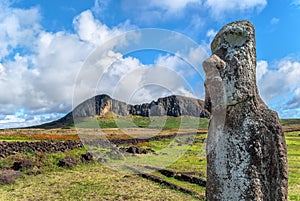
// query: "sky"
[[55, 54]]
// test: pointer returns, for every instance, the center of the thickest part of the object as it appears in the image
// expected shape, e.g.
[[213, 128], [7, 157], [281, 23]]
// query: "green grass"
[[14, 138], [293, 144], [194, 187], [93, 181], [111, 120], [286, 122], [164, 122], [88, 182], [193, 158]]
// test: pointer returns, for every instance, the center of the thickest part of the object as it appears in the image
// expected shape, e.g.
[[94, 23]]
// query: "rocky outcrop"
[[246, 149], [171, 106], [102, 104]]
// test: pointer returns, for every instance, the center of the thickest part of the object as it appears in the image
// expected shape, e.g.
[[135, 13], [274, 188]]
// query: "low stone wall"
[[11, 148]]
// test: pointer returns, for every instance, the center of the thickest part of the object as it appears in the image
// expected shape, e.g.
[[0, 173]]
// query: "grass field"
[[293, 144], [111, 120], [96, 181], [88, 182]]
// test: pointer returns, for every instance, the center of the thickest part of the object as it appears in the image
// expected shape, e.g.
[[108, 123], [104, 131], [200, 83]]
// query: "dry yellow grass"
[[88, 182]]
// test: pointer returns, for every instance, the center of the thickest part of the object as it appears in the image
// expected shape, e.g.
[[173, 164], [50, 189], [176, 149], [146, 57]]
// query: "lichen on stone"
[[245, 139]]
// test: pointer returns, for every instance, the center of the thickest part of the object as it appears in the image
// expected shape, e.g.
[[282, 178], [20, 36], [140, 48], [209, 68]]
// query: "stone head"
[[235, 45]]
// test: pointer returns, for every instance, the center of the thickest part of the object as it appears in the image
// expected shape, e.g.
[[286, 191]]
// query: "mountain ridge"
[[99, 105]]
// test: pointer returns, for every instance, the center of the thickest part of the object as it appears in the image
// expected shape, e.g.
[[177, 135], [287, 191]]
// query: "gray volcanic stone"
[[9, 176], [23, 164], [68, 161], [174, 105], [99, 105], [246, 148]]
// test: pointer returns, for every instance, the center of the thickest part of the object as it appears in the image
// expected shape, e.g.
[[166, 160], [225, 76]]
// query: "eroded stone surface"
[[247, 158], [9, 176]]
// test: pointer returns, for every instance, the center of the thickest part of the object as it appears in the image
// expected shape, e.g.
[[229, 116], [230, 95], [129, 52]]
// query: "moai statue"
[[246, 148]]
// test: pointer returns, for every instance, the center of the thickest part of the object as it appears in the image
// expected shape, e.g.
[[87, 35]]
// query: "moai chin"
[[246, 148]]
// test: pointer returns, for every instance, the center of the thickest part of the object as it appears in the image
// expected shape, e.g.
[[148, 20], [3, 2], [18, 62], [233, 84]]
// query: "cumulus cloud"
[[294, 103], [149, 83], [19, 27], [279, 85], [38, 68], [93, 31], [220, 7], [217, 7], [155, 10], [261, 70], [127, 79]]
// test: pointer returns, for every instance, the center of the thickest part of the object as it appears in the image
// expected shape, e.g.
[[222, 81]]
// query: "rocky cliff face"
[[170, 106]]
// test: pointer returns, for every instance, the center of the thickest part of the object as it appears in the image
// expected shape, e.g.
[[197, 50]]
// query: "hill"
[[101, 105]]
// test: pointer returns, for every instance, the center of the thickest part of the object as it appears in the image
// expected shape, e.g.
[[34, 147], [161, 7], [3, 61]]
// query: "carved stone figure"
[[246, 148]]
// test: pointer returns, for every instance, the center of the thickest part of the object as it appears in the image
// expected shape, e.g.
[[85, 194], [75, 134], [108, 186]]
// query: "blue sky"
[[44, 46]]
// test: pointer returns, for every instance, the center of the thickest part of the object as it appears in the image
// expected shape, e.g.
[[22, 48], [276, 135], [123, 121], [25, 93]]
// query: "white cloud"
[[220, 7], [171, 5], [2, 71], [100, 6], [279, 86], [40, 81], [261, 70], [296, 3], [274, 21], [148, 83], [93, 31], [11, 119], [211, 33], [18, 27], [157, 11], [129, 80], [294, 103]]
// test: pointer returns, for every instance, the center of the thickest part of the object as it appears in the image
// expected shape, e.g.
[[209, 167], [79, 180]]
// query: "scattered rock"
[[11, 148], [24, 164], [102, 160], [9, 176], [34, 171], [190, 179], [167, 173], [246, 149], [136, 150], [115, 155], [68, 161], [87, 157]]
